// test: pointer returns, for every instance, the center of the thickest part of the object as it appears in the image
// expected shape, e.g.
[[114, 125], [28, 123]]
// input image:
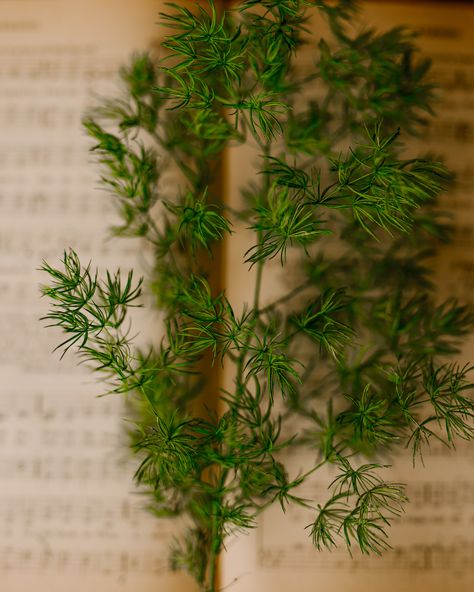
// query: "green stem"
[[266, 188], [214, 554], [270, 502], [258, 287], [258, 280], [286, 297], [215, 543]]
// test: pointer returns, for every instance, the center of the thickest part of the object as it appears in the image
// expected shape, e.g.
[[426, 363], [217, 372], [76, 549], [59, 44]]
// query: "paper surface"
[[433, 543], [68, 517]]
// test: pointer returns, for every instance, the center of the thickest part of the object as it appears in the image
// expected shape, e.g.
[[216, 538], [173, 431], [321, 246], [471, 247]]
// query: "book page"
[[69, 516], [433, 543]]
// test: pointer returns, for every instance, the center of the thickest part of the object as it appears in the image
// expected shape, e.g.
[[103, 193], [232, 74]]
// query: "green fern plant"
[[357, 350]]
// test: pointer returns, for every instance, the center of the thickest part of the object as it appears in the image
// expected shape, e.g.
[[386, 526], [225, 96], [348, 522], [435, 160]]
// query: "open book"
[[69, 518]]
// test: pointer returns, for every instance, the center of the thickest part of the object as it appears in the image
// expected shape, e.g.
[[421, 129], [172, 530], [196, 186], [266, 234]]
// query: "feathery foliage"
[[356, 352]]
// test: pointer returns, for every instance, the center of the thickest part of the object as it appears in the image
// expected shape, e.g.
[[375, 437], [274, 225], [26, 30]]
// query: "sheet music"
[[68, 517], [433, 543]]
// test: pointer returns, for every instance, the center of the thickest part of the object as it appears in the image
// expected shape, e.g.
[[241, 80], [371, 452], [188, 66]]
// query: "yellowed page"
[[433, 544], [69, 519]]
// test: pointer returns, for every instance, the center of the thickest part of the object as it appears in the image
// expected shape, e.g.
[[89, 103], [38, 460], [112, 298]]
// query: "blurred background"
[[68, 517]]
